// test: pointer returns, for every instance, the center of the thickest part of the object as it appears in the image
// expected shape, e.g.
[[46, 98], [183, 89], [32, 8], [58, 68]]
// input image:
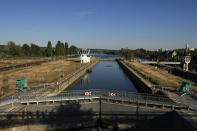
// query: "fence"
[[42, 87], [99, 94]]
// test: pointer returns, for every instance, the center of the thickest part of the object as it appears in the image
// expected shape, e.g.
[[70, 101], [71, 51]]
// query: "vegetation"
[[156, 76], [160, 55], [49, 50], [126, 53], [66, 48], [194, 56], [59, 49], [5, 87], [13, 50], [38, 74], [112, 52], [73, 49]]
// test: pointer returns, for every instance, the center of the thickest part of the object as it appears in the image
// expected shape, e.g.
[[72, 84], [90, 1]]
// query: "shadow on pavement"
[[71, 117]]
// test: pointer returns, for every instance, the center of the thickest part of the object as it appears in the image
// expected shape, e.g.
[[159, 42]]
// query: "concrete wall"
[[141, 84]]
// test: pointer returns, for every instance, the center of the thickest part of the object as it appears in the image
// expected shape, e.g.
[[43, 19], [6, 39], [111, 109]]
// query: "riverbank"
[[145, 85], [156, 76], [42, 73], [142, 85]]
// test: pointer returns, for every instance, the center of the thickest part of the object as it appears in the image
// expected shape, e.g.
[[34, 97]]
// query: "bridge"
[[163, 62], [146, 100]]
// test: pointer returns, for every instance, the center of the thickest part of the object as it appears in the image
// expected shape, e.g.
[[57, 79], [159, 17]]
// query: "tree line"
[[60, 49], [153, 55], [126, 53], [159, 55]]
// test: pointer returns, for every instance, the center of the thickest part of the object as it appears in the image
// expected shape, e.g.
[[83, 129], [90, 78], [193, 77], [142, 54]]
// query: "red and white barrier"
[[88, 93], [112, 94]]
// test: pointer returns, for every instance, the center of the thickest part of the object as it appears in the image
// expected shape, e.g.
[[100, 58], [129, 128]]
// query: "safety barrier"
[[99, 94]]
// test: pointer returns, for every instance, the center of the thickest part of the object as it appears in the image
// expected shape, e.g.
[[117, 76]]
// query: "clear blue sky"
[[111, 24]]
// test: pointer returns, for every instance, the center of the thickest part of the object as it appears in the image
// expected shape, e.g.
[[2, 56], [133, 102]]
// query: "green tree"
[[73, 49], [66, 48], [129, 54], [126, 53], [58, 49], [35, 50], [26, 49], [49, 50], [62, 49], [122, 52], [12, 49]]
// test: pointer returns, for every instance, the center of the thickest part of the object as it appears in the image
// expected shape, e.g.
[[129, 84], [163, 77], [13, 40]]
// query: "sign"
[[112, 94], [88, 93], [187, 59]]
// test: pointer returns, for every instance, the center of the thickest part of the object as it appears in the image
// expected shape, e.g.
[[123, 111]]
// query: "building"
[[173, 53], [84, 58], [170, 53]]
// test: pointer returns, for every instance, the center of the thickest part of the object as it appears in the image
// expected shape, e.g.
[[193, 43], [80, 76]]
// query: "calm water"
[[106, 75], [104, 56]]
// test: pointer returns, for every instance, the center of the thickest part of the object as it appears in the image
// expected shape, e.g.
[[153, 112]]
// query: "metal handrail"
[[95, 94]]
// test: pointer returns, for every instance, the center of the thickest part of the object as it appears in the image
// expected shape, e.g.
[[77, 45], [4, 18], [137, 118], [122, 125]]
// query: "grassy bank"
[[37, 74], [156, 76], [17, 61]]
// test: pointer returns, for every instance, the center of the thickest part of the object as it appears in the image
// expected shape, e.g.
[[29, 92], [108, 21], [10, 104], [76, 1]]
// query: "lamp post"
[[187, 58]]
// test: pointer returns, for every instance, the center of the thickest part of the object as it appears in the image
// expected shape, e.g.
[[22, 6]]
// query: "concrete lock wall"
[[141, 85]]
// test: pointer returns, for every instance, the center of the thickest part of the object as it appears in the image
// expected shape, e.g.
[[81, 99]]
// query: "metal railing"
[[39, 89], [96, 94]]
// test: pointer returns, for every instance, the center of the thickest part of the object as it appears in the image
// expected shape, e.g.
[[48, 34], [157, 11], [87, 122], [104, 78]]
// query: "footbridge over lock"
[[116, 97], [162, 62]]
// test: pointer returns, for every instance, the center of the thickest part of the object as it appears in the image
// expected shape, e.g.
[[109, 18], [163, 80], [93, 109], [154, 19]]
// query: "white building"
[[84, 55]]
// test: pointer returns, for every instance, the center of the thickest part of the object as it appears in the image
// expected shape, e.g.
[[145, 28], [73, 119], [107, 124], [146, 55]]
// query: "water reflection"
[[106, 75], [84, 80], [104, 56]]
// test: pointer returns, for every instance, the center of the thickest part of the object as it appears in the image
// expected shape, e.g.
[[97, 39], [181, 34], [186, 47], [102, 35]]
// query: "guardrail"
[[99, 94], [161, 62], [40, 88]]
